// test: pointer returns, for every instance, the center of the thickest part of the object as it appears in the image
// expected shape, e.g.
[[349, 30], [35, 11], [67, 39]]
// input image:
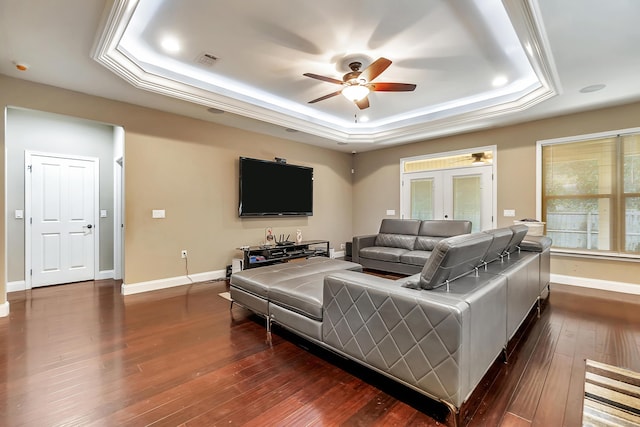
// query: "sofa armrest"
[[360, 242], [535, 243], [411, 335]]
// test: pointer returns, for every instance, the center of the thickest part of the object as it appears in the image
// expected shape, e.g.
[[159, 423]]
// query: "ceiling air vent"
[[206, 59]]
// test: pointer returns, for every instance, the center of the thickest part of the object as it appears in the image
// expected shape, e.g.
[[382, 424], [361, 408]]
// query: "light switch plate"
[[19, 214], [103, 213], [157, 213], [391, 211], [509, 212]]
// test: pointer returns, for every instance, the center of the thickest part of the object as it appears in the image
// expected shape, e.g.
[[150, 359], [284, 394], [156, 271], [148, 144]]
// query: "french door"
[[462, 193], [62, 213]]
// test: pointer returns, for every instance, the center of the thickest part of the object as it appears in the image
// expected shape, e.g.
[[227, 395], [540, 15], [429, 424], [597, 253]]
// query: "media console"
[[258, 256]]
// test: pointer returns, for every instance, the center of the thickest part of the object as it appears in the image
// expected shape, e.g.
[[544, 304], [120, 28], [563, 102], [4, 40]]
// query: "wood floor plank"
[[511, 420], [83, 354], [551, 407], [530, 388]]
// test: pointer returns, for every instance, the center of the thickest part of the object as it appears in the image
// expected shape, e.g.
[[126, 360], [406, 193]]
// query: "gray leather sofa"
[[404, 245], [437, 331]]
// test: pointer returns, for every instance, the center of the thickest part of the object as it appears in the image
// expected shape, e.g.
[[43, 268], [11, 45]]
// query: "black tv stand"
[[258, 256]]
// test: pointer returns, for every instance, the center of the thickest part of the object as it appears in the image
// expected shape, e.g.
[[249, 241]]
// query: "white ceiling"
[[547, 50]]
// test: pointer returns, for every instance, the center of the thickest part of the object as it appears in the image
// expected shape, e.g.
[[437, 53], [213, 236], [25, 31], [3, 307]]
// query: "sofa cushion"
[[535, 243], [444, 228], [382, 253], [454, 257], [395, 241], [501, 239], [400, 226], [259, 280], [302, 295], [424, 243], [415, 257]]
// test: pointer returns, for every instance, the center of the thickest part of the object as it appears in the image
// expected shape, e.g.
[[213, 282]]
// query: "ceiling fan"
[[357, 84]]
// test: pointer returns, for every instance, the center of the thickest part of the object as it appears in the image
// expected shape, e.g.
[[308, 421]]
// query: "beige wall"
[[190, 168], [378, 173]]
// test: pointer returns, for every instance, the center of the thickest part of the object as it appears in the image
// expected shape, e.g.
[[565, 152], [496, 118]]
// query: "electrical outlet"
[[341, 245], [183, 254]]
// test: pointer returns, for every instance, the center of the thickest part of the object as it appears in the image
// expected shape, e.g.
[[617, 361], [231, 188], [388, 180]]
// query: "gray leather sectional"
[[437, 331], [404, 245]]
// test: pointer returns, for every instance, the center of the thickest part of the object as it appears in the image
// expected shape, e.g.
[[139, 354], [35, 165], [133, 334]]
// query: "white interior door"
[[461, 193], [63, 212]]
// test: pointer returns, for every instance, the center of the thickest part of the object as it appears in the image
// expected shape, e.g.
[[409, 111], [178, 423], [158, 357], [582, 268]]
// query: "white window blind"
[[591, 194]]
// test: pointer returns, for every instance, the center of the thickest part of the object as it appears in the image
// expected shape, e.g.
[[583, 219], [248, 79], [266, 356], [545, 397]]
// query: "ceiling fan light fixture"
[[355, 92]]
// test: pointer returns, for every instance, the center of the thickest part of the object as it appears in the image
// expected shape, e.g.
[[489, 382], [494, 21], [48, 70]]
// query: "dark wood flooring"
[[82, 354]]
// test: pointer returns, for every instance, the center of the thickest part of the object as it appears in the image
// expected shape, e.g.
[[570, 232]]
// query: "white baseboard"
[[104, 275], [21, 285], [4, 309], [18, 285], [603, 285], [154, 285]]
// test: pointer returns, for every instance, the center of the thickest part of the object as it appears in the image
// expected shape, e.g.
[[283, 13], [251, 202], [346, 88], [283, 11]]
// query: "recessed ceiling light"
[[170, 44], [291, 130], [499, 81], [20, 66], [215, 110], [593, 88], [342, 143], [363, 119]]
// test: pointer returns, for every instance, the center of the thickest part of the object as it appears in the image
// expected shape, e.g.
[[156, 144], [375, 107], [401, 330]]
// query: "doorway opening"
[[70, 142]]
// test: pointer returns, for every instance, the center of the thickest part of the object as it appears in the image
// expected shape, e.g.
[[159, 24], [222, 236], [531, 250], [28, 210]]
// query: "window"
[[591, 194]]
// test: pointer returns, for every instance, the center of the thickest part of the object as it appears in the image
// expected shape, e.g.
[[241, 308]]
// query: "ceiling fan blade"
[[375, 69], [392, 87], [323, 78], [363, 103], [322, 98]]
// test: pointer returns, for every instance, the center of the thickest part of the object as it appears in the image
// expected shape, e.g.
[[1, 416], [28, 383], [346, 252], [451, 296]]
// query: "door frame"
[[28, 154], [466, 151], [118, 219]]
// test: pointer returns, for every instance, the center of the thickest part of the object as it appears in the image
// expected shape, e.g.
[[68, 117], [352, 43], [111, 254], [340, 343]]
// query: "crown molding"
[[524, 16]]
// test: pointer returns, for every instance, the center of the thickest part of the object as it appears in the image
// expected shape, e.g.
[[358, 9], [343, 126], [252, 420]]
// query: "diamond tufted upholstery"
[[401, 332]]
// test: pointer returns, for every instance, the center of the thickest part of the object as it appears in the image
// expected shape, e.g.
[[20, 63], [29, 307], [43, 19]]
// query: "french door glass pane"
[[467, 200], [422, 198]]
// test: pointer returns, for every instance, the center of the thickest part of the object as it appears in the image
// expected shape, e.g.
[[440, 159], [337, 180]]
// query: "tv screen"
[[274, 189]]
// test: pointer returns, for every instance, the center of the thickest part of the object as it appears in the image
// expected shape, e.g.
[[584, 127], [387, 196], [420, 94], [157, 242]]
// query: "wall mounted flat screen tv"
[[274, 189]]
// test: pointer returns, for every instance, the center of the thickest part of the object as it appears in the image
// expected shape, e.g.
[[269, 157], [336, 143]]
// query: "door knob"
[[89, 226]]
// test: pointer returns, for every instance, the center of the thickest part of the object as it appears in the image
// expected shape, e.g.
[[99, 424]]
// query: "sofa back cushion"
[[400, 226], [444, 228], [454, 257], [519, 231], [424, 243], [498, 247], [398, 233], [402, 241]]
